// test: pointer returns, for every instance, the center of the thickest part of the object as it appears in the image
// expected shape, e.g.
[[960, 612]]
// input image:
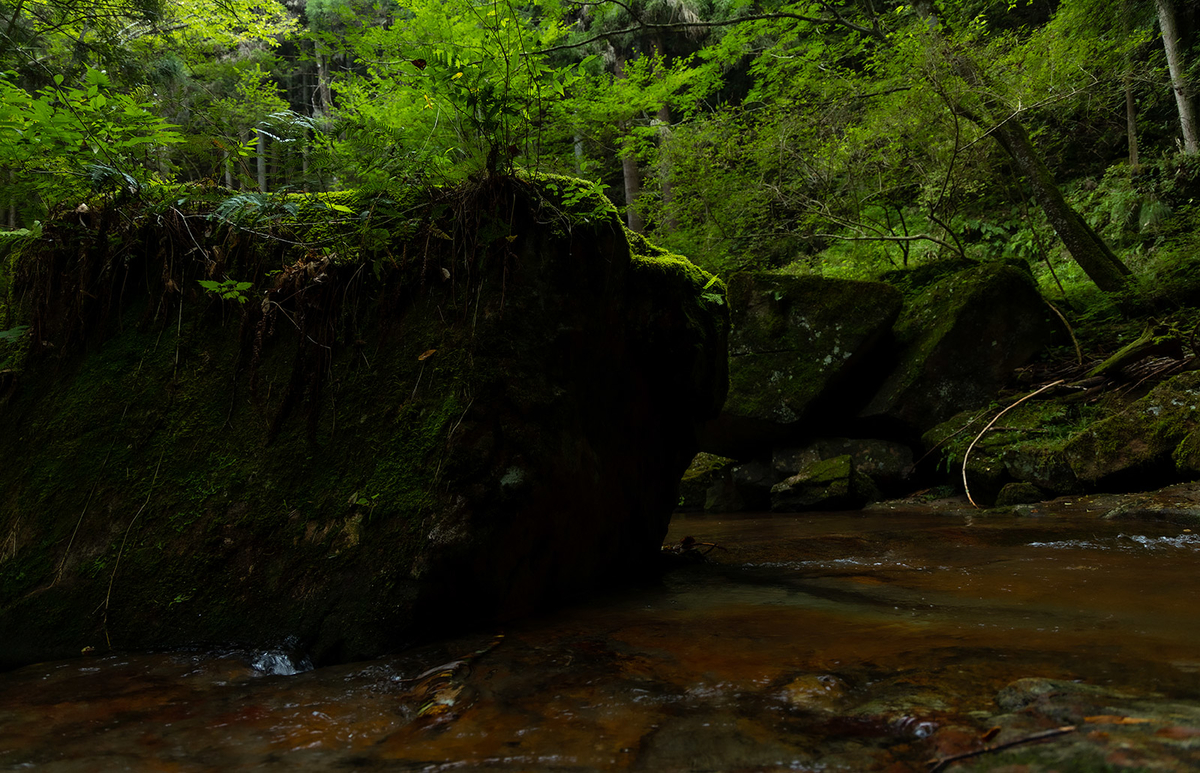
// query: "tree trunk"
[[633, 178], [1087, 248], [323, 98], [669, 221], [1131, 126], [1183, 97], [1095, 257], [1130, 103], [633, 186], [261, 148]]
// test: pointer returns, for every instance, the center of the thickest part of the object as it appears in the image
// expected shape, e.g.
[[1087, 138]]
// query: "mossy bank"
[[427, 410]]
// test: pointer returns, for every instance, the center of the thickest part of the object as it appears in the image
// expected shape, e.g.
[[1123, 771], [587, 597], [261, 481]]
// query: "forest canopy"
[[842, 138]]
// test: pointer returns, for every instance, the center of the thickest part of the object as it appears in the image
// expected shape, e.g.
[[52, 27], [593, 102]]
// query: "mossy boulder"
[[828, 484], [742, 487], [888, 463], [960, 338], [1026, 446], [394, 436], [704, 471], [1144, 444], [801, 350], [1019, 494]]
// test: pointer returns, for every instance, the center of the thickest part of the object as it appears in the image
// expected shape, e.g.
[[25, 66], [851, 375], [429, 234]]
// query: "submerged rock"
[[418, 425]]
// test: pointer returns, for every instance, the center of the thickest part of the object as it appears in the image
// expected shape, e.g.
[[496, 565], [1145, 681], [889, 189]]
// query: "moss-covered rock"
[[889, 464], [704, 471], [390, 438], [961, 339], [828, 484], [801, 347], [1019, 494], [1136, 447], [743, 487]]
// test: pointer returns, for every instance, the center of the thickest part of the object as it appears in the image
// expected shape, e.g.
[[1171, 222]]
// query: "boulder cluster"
[[846, 392]]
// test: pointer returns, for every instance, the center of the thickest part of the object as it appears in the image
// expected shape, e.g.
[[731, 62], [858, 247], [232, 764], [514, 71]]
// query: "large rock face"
[[1143, 444], [800, 349], [484, 416], [960, 339]]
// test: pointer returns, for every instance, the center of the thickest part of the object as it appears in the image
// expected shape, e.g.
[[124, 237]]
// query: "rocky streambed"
[[907, 635]]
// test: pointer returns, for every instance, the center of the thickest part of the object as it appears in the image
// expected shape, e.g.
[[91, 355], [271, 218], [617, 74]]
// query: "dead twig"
[[1070, 332], [983, 432], [937, 765], [688, 546]]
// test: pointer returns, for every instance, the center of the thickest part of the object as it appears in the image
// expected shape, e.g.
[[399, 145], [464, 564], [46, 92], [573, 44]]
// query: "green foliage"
[[61, 141], [228, 289], [450, 88]]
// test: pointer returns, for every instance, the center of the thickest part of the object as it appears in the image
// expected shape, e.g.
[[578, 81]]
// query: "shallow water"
[[820, 642]]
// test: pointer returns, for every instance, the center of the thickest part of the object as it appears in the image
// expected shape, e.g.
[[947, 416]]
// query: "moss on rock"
[[961, 338], [392, 438]]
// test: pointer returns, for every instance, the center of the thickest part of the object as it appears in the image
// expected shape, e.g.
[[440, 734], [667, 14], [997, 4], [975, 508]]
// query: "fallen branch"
[[937, 765], [982, 432]]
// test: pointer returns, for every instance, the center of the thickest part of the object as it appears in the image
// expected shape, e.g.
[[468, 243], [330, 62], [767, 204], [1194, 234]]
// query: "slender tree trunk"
[[1183, 96], [261, 148], [1087, 248], [12, 202], [1130, 102], [669, 221], [323, 98], [633, 187], [633, 178], [1131, 126]]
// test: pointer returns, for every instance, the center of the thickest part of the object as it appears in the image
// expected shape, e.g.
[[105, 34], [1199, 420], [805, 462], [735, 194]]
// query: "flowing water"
[[823, 642]]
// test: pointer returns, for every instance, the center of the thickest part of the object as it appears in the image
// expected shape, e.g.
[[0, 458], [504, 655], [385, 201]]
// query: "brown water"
[[822, 642]]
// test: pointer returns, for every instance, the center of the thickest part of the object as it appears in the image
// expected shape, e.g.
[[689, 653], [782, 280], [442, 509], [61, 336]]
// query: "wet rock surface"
[[377, 451], [801, 349], [960, 339]]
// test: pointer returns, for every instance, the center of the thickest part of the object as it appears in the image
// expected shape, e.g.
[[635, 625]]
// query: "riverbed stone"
[[375, 448], [803, 349], [1019, 494], [960, 338], [1090, 727]]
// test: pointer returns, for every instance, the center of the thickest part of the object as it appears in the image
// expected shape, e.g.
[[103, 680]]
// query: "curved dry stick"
[[983, 431], [935, 766], [1070, 332]]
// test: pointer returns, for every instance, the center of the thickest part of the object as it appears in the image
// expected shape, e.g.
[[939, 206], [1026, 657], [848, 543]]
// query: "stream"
[[885, 640]]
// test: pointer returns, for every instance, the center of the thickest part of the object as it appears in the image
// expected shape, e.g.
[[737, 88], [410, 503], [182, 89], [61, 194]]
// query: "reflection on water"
[[812, 642]]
